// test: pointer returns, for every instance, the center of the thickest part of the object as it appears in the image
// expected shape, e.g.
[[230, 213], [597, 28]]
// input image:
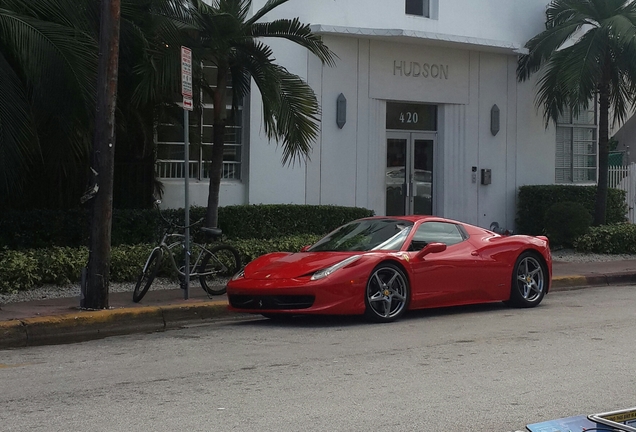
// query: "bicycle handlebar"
[[171, 223]]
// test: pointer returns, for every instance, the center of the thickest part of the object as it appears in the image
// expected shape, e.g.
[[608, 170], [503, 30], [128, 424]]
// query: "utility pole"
[[95, 289]]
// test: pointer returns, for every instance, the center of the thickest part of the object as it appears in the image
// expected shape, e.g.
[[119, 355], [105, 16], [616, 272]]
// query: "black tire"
[[529, 281], [223, 262], [148, 275], [387, 293]]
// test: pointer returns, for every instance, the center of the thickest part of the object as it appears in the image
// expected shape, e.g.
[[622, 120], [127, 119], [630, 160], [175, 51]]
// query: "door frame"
[[411, 137]]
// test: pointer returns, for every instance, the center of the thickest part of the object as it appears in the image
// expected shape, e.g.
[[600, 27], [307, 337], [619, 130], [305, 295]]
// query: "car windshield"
[[365, 235]]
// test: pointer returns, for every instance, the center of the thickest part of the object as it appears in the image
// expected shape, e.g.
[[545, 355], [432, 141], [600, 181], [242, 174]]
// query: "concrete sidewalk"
[[60, 320]]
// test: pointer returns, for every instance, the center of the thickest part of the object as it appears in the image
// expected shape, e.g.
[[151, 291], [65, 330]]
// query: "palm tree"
[[47, 90], [48, 73], [588, 49], [229, 38], [152, 33]]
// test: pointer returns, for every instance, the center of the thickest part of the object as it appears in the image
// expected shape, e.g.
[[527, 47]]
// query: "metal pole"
[[186, 163]]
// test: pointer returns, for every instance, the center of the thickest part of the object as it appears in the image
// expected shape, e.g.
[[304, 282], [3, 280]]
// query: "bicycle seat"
[[214, 232]]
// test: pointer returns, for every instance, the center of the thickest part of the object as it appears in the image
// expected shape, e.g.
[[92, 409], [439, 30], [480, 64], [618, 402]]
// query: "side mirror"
[[431, 248], [304, 248]]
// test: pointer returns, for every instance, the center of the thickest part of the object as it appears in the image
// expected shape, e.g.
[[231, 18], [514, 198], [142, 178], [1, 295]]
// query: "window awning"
[[414, 36]]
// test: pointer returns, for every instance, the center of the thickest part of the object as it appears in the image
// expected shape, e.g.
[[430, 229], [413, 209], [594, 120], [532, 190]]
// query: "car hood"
[[287, 266]]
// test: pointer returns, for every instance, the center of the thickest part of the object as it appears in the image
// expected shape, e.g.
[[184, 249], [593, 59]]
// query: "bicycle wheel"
[[148, 274], [220, 264]]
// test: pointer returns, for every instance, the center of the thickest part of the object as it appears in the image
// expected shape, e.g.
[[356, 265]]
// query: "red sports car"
[[384, 266]]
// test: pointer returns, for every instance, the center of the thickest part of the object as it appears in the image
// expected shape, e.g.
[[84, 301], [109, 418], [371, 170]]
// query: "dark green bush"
[[280, 220], [565, 221], [45, 228], [250, 248], [534, 201], [612, 239], [36, 229]]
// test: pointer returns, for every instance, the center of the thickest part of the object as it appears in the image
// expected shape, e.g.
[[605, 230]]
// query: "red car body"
[[478, 269]]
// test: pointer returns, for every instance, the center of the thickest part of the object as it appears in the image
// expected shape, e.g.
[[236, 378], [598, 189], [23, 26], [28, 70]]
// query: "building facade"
[[421, 114]]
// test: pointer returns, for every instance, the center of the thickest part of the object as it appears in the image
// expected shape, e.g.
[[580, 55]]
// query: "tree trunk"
[[96, 289], [218, 136], [603, 150]]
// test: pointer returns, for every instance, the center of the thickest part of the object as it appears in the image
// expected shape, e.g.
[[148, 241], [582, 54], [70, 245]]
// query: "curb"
[[90, 325], [566, 283]]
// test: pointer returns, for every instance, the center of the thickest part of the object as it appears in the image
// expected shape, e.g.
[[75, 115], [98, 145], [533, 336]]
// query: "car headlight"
[[320, 274], [239, 275]]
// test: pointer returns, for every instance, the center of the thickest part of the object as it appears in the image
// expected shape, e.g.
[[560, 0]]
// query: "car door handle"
[[474, 253]]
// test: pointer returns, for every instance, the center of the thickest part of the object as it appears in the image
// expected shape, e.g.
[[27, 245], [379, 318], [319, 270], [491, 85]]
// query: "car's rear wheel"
[[529, 281], [387, 293]]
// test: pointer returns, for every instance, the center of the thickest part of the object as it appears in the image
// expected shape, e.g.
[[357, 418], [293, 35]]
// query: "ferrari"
[[382, 267]]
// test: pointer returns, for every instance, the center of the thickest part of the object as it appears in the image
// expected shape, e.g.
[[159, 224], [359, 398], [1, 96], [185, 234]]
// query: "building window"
[[170, 151], [576, 158], [418, 7]]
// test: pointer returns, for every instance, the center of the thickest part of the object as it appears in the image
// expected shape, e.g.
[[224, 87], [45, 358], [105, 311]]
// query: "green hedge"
[[44, 228], [26, 269], [565, 221], [273, 221], [250, 248], [534, 201], [609, 239]]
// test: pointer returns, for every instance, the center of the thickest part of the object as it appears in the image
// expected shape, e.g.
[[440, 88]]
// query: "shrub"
[[44, 228], [534, 201], [251, 248], [23, 270], [27, 269], [612, 239], [281, 220], [565, 221], [36, 229]]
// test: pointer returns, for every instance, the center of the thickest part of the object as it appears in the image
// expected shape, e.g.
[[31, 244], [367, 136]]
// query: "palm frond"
[[294, 31], [298, 117], [45, 49], [268, 7], [83, 16], [19, 145]]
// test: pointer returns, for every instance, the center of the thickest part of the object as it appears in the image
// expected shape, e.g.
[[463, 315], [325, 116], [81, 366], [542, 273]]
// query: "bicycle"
[[221, 260]]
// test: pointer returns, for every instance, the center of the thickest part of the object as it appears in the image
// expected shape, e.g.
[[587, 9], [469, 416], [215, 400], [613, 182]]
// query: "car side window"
[[437, 232]]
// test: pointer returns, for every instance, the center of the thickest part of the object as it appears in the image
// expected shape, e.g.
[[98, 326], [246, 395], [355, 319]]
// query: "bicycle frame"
[[166, 248]]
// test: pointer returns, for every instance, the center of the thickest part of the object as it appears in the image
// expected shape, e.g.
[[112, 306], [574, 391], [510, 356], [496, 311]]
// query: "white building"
[[436, 121]]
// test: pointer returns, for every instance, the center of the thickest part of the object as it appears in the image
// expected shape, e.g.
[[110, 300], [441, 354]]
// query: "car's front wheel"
[[387, 293], [529, 281]]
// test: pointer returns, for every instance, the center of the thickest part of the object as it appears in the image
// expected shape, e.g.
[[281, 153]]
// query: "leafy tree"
[[230, 38], [587, 49], [48, 75], [47, 93]]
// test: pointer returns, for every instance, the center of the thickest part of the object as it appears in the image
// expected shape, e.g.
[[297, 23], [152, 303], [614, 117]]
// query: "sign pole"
[[186, 91], [186, 142]]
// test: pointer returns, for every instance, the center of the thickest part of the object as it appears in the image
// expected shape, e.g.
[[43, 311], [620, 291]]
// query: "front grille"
[[271, 302]]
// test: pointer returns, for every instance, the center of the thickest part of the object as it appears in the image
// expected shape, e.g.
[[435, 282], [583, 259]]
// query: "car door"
[[448, 277]]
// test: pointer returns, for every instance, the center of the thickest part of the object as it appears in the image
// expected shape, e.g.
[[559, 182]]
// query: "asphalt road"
[[485, 368]]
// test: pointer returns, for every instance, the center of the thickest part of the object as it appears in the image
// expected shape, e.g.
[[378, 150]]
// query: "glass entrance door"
[[409, 173]]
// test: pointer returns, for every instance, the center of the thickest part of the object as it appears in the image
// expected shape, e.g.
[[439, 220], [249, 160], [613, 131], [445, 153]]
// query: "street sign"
[[187, 103], [186, 72]]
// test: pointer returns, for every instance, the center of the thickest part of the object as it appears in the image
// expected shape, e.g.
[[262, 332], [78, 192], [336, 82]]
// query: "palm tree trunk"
[[603, 149], [103, 159], [218, 135]]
